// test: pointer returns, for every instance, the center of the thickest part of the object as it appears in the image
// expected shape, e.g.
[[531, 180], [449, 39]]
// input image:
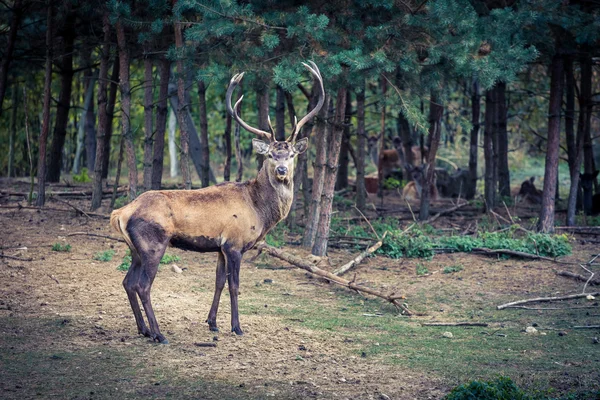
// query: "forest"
[[451, 167]]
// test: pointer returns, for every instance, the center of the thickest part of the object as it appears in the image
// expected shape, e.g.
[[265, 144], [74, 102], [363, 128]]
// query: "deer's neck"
[[271, 197]]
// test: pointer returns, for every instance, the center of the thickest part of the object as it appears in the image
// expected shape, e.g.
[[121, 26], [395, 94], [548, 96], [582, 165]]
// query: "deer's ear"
[[259, 146], [301, 145]]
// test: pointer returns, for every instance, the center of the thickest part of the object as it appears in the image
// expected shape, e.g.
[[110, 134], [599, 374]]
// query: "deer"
[[391, 159], [413, 189], [454, 185], [228, 218], [530, 192], [591, 202]]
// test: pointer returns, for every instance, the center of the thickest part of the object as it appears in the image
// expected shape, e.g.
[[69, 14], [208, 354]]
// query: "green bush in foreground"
[[61, 247], [502, 388], [126, 263]]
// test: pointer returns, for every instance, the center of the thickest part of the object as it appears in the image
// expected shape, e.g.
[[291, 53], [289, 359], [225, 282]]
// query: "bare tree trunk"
[[205, 171], [64, 101], [12, 131], [15, 21], [344, 159], [586, 109], [173, 160], [322, 237], [503, 172], [102, 115], [488, 151], [262, 97], [436, 111], [125, 87], [148, 122], [546, 223], [81, 128], [280, 114], [574, 144], [238, 154], [110, 111], [181, 111], [41, 195], [361, 191], [380, 177], [90, 128], [322, 133], [475, 110], [118, 173], [164, 71]]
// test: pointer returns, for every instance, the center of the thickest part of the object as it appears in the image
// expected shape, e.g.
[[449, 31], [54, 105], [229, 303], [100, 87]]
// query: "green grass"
[[65, 248], [104, 256], [166, 259]]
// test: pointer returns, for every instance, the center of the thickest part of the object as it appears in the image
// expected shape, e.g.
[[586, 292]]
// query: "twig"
[[72, 206], [411, 211], [19, 207], [358, 259], [551, 308], [454, 324], [368, 222], [444, 212], [205, 344], [519, 227], [16, 258], [54, 278], [95, 235], [298, 262], [587, 327], [546, 299]]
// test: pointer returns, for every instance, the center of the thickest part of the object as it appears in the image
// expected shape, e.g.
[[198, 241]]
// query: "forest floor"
[[67, 330]]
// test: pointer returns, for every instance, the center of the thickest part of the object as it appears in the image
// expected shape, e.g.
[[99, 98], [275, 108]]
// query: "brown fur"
[[412, 190], [529, 192]]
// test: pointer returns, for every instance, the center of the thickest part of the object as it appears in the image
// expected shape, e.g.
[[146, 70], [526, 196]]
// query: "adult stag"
[[228, 218]]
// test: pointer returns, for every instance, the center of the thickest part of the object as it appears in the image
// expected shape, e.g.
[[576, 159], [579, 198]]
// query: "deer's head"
[[279, 155]]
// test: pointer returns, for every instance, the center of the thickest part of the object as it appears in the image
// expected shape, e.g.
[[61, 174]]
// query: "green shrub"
[[82, 177], [126, 263], [392, 183], [502, 388], [104, 256], [452, 268], [169, 258], [422, 270], [61, 247]]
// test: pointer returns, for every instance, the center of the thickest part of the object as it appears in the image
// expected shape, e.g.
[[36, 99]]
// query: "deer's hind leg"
[[219, 285], [150, 241], [130, 284]]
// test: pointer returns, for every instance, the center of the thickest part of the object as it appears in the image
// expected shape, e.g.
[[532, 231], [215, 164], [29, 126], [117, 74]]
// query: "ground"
[[67, 330]]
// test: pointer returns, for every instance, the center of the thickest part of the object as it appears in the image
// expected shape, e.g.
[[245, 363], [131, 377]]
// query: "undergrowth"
[[61, 247], [166, 259]]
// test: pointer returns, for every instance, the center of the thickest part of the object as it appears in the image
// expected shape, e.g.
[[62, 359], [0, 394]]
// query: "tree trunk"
[[148, 122], [90, 128], [41, 195], [488, 151], [380, 176], [436, 111], [475, 110], [322, 237], [173, 160], [227, 139], [181, 111], [81, 127], [164, 71], [322, 133], [262, 97], [110, 111], [344, 158], [12, 131], [546, 223], [503, 172], [361, 191], [574, 150], [102, 115], [10, 47], [125, 87], [586, 109], [280, 114], [205, 170], [64, 102]]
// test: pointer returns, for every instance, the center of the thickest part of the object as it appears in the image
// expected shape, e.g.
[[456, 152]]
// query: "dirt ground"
[[67, 330]]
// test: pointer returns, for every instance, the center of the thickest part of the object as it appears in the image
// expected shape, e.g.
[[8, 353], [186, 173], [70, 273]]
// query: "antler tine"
[[235, 80], [317, 74], [271, 127]]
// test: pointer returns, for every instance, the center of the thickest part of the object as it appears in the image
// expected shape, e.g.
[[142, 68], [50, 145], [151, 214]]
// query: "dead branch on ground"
[[15, 258], [455, 324], [546, 299], [20, 207], [96, 235], [578, 277], [358, 259], [298, 262], [79, 210], [447, 211]]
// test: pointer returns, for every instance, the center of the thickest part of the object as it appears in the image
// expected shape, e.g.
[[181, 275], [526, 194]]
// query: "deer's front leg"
[[234, 258], [219, 285]]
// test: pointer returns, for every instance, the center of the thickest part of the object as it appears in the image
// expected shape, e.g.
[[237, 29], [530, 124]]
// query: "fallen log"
[[300, 263], [455, 324], [578, 277], [358, 259], [546, 299]]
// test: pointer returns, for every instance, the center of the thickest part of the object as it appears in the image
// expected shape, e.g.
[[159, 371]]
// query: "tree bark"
[[181, 111], [361, 191], [125, 87], [148, 123], [322, 135], [473, 148], [436, 111], [12, 131], [102, 115], [280, 114], [344, 159], [574, 144], [64, 101], [503, 171], [41, 195], [228, 148], [333, 151], [81, 128], [173, 160], [586, 109], [380, 176], [90, 127], [262, 97], [488, 150], [164, 71], [110, 111], [10, 47], [204, 148], [546, 223]]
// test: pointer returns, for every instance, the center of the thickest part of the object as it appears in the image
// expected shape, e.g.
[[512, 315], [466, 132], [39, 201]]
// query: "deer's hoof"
[[237, 330]]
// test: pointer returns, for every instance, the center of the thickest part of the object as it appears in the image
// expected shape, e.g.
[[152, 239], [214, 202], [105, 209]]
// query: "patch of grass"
[[422, 270], [125, 264], [65, 248], [166, 259], [501, 388], [277, 236], [393, 183], [169, 258], [83, 176], [452, 268], [104, 256]]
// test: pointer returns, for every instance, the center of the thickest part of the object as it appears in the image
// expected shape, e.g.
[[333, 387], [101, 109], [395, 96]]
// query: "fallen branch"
[[447, 211], [358, 259], [96, 235], [16, 258], [80, 211], [20, 207], [454, 324], [298, 262], [587, 327], [515, 253], [546, 299], [578, 277], [551, 308], [82, 193]]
